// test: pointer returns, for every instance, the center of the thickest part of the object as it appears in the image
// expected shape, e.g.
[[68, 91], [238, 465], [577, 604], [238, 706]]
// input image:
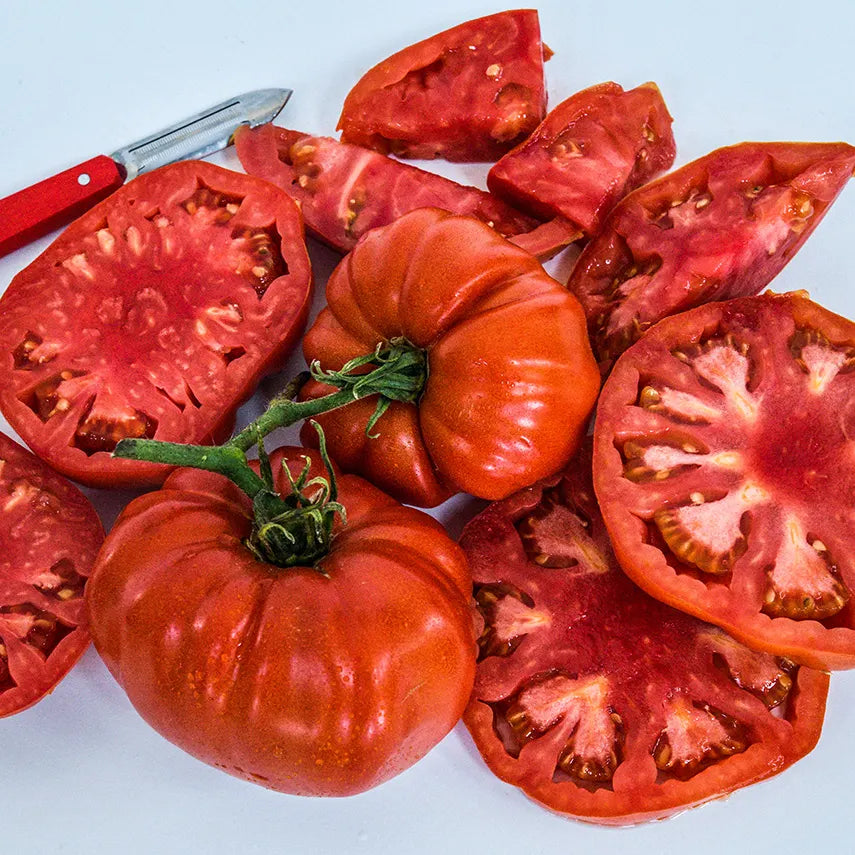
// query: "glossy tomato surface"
[[466, 94], [153, 315], [587, 154], [600, 702], [724, 468], [511, 377], [49, 537], [323, 680], [720, 227]]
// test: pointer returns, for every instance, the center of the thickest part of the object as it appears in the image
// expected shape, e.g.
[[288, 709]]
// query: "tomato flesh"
[[600, 702], [718, 228], [587, 154], [49, 538], [154, 315], [466, 94], [724, 471]]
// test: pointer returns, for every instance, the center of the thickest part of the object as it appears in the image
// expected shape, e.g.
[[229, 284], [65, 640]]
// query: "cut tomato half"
[[466, 94], [154, 315], [720, 227], [49, 538], [600, 702], [725, 472]]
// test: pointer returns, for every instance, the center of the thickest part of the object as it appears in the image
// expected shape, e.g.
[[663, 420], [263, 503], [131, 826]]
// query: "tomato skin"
[[511, 379], [48, 542], [155, 314], [587, 154], [303, 683], [773, 444], [469, 93], [581, 620], [720, 227]]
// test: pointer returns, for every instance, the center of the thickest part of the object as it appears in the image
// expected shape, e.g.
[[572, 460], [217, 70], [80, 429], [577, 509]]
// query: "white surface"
[[81, 773]]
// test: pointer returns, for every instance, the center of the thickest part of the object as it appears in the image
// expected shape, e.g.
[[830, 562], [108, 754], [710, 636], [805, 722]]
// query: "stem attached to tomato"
[[296, 529]]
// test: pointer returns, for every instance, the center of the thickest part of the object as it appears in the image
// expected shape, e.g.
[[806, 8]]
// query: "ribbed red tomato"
[[153, 315], [510, 375], [600, 702], [725, 473], [315, 680], [49, 537]]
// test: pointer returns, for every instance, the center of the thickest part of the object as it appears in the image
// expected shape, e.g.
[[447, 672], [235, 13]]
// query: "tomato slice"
[[720, 227], [48, 542], [346, 190], [587, 154], [725, 473], [600, 702], [466, 94], [154, 315]]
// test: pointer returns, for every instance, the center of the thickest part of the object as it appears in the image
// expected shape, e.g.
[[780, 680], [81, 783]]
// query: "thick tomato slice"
[[587, 154], [323, 680], [345, 190], [724, 469], [720, 227], [154, 315], [466, 94], [600, 702], [49, 538], [511, 379]]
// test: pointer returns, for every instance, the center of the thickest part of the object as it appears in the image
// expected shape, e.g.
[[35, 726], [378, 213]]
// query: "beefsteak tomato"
[[469, 93], [319, 680], [153, 315], [510, 375], [49, 538], [720, 227], [600, 702], [587, 154], [724, 469]]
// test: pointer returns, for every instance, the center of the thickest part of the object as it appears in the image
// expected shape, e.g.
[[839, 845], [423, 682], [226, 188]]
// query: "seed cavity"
[[509, 616], [821, 360], [40, 629]]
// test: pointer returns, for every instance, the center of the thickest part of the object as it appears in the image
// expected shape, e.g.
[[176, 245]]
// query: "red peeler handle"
[[37, 210]]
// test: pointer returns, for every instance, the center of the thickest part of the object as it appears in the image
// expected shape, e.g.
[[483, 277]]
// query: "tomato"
[[315, 680], [724, 470], [720, 227], [600, 702], [48, 542], [469, 93], [154, 315], [345, 190], [587, 154], [511, 379]]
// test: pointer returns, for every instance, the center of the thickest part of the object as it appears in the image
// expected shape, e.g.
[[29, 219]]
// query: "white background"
[[80, 772]]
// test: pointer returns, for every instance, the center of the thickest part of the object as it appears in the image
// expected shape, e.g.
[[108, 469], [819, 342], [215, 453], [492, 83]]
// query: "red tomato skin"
[[48, 542], [511, 379], [469, 93], [721, 227], [587, 154], [806, 473], [578, 641], [303, 683], [182, 352]]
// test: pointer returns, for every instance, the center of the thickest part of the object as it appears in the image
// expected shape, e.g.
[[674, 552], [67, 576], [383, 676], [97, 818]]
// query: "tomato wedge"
[[587, 154], [49, 538], [600, 702], [510, 380], [720, 227], [724, 469], [154, 315], [466, 94]]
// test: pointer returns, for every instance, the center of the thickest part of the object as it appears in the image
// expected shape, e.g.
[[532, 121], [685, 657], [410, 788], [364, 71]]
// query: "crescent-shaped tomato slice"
[[724, 467], [49, 537], [153, 315], [600, 702]]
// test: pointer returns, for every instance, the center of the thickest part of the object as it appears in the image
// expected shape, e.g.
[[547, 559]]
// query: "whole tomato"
[[325, 679]]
